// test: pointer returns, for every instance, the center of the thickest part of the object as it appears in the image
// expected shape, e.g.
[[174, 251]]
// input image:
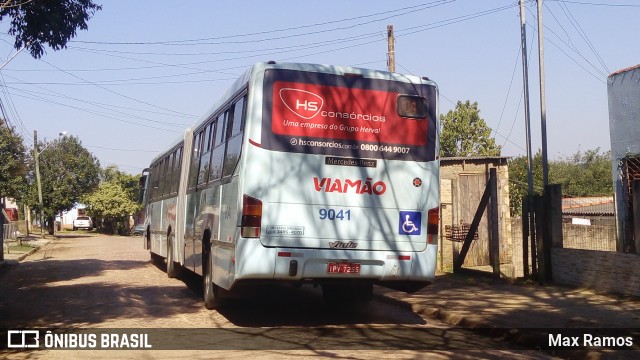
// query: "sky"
[[145, 70]]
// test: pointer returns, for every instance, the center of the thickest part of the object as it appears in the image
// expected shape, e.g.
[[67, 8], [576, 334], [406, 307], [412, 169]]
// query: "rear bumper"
[[254, 261]]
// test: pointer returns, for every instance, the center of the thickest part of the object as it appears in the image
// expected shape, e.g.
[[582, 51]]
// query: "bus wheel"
[[211, 291], [172, 269], [349, 295], [155, 258]]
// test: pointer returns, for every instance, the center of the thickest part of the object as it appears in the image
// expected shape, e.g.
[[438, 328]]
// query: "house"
[[594, 210]]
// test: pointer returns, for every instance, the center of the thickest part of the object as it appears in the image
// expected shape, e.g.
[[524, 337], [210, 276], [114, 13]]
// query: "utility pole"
[[525, 77], [35, 156], [391, 60], [543, 106], [528, 221]]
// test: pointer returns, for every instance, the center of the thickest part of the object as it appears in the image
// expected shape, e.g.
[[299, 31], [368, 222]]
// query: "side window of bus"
[[152, 183], [238, 118], [203, 173], [161, 178], [234, 141], [221, 128], [175, 178], [168, 173], [168, 165], [195, 158], [156, 182], [218, 147]]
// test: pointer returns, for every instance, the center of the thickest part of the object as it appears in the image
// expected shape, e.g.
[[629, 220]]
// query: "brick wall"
[[598, 270]]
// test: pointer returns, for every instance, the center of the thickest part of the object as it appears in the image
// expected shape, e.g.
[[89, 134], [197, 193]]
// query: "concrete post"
[[553, 195], [494, 245], [635, 191]]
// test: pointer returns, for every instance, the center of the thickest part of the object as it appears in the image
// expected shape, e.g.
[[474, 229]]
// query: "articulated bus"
[[304, 174]]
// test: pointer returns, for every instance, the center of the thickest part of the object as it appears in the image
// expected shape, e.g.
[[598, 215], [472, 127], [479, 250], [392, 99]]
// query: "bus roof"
[[244, 79], [331, 69]]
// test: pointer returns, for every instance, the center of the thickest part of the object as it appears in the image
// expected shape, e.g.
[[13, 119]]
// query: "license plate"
[[343, 268]]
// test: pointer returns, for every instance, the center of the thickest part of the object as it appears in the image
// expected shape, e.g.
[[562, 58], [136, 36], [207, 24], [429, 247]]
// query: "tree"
[[68, 171], [115, 199], [581, 174], [584, 174], [51, 22], [519, 182], [465, 133], [129, 183], [13, 167]]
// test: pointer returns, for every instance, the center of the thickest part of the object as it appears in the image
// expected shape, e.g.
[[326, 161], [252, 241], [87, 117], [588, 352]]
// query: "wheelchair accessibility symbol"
[[410, 223]]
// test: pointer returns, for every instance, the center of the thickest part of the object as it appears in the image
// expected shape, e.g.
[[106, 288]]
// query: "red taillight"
[[433, 219], [433, 224], [251, 217]]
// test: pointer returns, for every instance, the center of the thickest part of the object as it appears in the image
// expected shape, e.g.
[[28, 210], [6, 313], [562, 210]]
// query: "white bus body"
[[304, 173]]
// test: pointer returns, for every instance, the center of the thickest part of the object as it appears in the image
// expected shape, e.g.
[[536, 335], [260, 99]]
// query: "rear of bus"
[[340, 178]]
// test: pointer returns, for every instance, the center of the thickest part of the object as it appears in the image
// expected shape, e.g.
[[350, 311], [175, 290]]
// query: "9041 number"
[[333, 214]]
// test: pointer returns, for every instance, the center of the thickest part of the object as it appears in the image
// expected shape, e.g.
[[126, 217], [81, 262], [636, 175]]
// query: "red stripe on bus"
[[254, 143]]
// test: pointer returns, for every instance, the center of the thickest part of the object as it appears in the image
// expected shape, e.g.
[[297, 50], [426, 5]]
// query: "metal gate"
[[630, 173]]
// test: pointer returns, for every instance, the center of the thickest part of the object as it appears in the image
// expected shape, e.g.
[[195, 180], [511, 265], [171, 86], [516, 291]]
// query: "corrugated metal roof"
[[625, 70], [585, 206], [459, 158], [502, 160]]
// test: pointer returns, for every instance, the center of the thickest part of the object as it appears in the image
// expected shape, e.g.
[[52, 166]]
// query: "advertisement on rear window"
[[345, 116]]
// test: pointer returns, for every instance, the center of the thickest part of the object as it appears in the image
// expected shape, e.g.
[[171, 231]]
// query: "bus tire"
[[211, 291], [172, 268]]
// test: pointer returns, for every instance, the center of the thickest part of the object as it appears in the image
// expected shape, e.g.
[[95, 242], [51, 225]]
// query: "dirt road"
[[102, 282]]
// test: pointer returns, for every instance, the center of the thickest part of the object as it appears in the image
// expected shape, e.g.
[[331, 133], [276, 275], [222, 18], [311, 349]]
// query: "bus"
[[303, 174]]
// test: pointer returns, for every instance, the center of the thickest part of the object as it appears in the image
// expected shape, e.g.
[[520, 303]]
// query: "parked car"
[[83, 222], [138, 230]]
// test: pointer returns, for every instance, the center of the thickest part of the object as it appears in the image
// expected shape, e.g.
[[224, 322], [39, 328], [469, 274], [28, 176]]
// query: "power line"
[[513, 74], [122, 83], [94, 112], [116, 93], [253, 54], [269, 50], [416, 29], [455, 20], [104, 107], [535, 28], [453, 103], [404, 11], [521, 98], [583, 34], [12, 108], [596, 4], [571, 45], [315, 45], [128, 150], [99, 104]]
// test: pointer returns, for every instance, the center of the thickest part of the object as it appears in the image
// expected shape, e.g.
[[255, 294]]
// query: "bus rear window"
[[414, 107], [331, 114]]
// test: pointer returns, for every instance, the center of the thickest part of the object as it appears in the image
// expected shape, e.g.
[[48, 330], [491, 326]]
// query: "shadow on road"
[[273, 305], [72, 293]]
